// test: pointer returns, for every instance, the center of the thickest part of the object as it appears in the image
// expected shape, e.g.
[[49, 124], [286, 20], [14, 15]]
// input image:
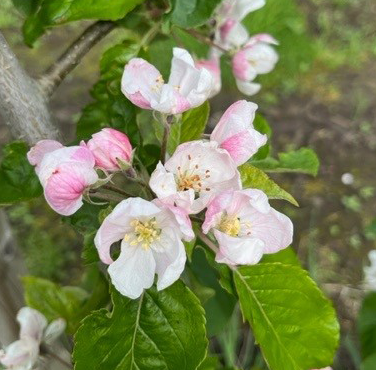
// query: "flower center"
[[192, 177], [229, 225], [144, 233]]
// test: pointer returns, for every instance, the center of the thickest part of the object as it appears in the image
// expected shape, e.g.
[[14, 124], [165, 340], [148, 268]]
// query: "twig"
[[55, 74], [107, 197], [116, 190], [52, 354], [205, 39]]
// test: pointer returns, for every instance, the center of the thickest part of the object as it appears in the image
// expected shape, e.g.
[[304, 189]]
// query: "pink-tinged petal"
[[66, 185], [32, 323], [238, 251], [262, 57], [258, 199], [133, 271], [226, 27], [141, 83], [39, 150], [235, 133], [20, 355], [162, 182], [241, 68], [111, 149], [178, 216], [193, 85], [274, 228], [262, 37], [117, 224], [215, 209], [212, 65], [236, 36], [248, 88], [170, 259]]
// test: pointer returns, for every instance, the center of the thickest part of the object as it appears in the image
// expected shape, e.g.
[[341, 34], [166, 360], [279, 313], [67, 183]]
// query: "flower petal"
[[238, 251], [133, 271], [38, 151], [141, 83], [170, 259], [21, 355], [162, 182], [32, 323], [54, 330], [248, 88]]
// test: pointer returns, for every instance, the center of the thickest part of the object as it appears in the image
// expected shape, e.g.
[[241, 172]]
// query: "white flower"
[[150, 235], [23, 353], [370, 272]]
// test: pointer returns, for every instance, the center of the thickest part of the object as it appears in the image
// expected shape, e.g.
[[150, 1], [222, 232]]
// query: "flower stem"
[[208, 242], [166, 134], [116, 190], [204, 39], [106, 196]]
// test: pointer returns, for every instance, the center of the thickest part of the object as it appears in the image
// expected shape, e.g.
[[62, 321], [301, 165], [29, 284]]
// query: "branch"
[[55, 74], [204, 39], [22, 104]]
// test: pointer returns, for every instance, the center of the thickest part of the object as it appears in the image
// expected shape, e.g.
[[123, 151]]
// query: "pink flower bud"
[[111, 149]]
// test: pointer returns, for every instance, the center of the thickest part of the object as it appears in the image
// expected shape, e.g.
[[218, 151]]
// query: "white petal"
[[244, 7], [238, 250], [54, 330], [248, 88], [162, 182], [170, 259], [20, 355], [32, 323], [237, 36], [133, 271]]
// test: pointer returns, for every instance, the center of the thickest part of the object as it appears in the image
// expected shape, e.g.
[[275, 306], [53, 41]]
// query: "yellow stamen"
[[144, 233], [230, 225]]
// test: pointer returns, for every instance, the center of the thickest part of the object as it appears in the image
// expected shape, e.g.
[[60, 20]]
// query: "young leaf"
[[286, 256], [69, 302], [56, 12], [111, 108], [191, 126], [18, 181], [294, 324], [367, 326], [160, 330], [303, 160], [253, 177], [192, 13]]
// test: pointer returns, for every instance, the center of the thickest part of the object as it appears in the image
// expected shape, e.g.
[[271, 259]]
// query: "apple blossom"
[[111, 149], [194, 174], [236, 134], [23, 353], [246, 227], [187, 87], [256, 57], [370, 272], [150, 235], [213, 66], [65, 173]]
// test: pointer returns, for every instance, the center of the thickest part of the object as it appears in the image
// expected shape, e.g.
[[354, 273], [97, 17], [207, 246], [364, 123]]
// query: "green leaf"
[[369, 363], [69, 302], [253, 177], [18, 181], [286, 256], [50, 13], [303, 160], [367, 326], [191, 126], [220, 307], [192, 13], [294, 324], [111, 108], [160, 330], [210, 363], [261, 125]]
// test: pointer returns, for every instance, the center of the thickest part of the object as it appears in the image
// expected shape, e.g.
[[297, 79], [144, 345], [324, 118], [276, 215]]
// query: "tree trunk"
[[22, 104]]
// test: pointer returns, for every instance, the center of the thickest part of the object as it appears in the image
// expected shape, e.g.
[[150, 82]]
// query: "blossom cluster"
[[23, 354]]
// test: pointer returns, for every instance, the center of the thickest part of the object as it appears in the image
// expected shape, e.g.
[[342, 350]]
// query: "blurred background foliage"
[[322, 95]]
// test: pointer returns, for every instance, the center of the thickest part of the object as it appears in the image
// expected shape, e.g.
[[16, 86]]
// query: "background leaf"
[[303, 160], [367, 326], [253, 177], [294, 324], [18, 181], [160, 330], [50, 13], [69, 302], [262, 125], [192, 13]]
